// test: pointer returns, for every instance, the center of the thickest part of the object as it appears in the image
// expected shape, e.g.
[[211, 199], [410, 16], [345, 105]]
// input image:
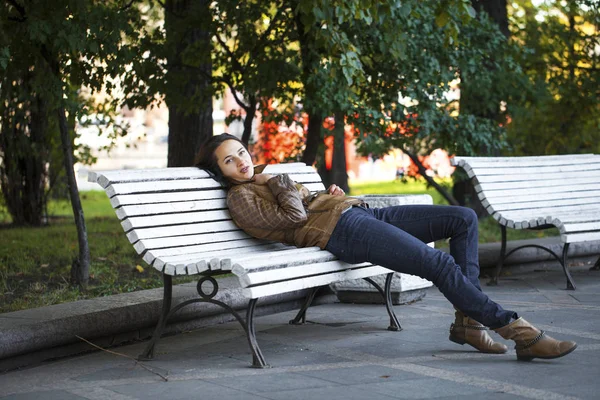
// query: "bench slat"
[[545, 180], [148, 244], [213, 259], [522, 161], [186, 184], [516, 195], [168, 208], [581, 226], [278, 261], [294, 272], [579, 237], [543, 205], [149, 198], [202, 248], [140, 175], [222, 253], [306, 283], [181, 230], [541, 172], [173, 219], [532, 184]]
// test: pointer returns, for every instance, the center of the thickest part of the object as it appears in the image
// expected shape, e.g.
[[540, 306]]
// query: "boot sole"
[[529, 358]]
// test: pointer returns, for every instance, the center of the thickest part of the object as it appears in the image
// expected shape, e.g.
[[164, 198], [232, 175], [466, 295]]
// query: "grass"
[[35, 263]]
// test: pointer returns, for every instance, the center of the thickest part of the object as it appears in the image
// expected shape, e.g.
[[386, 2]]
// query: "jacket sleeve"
[[249, 210]]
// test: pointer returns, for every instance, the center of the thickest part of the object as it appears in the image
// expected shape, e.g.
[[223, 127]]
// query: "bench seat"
[[177, 220], [537, 193]]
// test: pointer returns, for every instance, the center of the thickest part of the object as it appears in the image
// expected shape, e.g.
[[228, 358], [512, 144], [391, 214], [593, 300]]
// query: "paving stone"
[[423, 388], [329, 393], [182, 391], [363, 374], [45, 395], [273, 382]]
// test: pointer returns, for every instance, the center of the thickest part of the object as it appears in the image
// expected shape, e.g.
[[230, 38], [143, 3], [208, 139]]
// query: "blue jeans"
[[396, 237]]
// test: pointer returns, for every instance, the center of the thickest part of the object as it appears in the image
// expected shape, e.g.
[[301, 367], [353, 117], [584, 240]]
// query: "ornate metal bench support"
[[148, 353], [301, 316], [258, 360], [387, 296], [503, 256], [205, 297]]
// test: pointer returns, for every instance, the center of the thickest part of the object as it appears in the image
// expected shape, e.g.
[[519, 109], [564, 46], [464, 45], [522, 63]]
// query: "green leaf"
[[442, 19]]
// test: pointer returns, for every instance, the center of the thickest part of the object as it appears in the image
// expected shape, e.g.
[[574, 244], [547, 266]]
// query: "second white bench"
[[538, 193]]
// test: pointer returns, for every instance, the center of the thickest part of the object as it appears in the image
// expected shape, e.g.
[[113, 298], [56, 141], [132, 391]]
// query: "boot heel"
[[456, 340]]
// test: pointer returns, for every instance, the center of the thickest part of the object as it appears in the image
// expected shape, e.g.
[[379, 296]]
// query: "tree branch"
[[259, 42], [234, 59]]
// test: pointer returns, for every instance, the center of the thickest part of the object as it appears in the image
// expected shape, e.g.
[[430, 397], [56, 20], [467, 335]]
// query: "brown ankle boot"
[[531, 342], [467, 330]]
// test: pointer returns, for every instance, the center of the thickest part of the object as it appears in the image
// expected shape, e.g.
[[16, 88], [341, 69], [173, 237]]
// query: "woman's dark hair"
[[207, 160]]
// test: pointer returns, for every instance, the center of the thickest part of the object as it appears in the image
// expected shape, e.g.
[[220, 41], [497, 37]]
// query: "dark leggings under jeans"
[[396, 237]]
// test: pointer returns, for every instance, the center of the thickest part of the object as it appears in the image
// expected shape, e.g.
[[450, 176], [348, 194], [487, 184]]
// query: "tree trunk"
[[313, 138], [472, 102], [189, 96], [250, 114], [339, 168], [80, 269], [310, 61], [24, 152]]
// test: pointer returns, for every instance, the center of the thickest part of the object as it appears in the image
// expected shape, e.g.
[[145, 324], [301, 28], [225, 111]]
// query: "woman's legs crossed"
[[359, 236]]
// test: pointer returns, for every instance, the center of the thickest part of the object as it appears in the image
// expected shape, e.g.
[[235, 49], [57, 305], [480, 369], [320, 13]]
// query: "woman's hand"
[[261, 179], [335, 190]]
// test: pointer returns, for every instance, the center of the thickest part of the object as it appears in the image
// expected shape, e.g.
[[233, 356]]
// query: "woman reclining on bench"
[[276, 208]]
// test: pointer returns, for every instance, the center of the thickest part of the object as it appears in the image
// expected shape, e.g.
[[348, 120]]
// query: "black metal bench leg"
[[301, 316], [148, 353], [494, 280], [387, 297], [258, 360], [565, 266]]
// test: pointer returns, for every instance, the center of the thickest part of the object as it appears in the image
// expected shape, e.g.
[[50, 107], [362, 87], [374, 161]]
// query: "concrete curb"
[[32, 336], [35, 335], [490, 252]]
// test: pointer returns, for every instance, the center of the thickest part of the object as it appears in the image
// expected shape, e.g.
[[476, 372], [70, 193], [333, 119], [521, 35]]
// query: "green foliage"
[[561, 112], [47, 55], [408, 66]]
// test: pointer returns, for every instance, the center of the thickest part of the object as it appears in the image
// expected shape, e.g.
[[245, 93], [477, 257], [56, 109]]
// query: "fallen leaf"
[[44, 265], [139, 268]]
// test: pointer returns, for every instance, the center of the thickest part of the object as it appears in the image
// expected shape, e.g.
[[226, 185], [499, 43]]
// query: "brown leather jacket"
[[286, 212]]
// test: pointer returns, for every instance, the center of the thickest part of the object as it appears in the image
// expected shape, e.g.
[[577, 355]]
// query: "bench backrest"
[[177, 218], [527, 192]]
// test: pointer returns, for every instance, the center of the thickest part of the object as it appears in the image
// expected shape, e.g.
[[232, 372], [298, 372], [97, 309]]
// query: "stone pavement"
[[345, 352]]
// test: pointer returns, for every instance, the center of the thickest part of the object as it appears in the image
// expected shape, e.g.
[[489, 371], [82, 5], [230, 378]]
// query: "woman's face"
[[234, 161]]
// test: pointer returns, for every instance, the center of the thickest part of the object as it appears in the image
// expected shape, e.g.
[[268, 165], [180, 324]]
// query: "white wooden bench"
[[539, 193], [177, 219]]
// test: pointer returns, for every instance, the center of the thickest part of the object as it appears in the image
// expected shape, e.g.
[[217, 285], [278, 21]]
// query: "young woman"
[[276, 208]]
